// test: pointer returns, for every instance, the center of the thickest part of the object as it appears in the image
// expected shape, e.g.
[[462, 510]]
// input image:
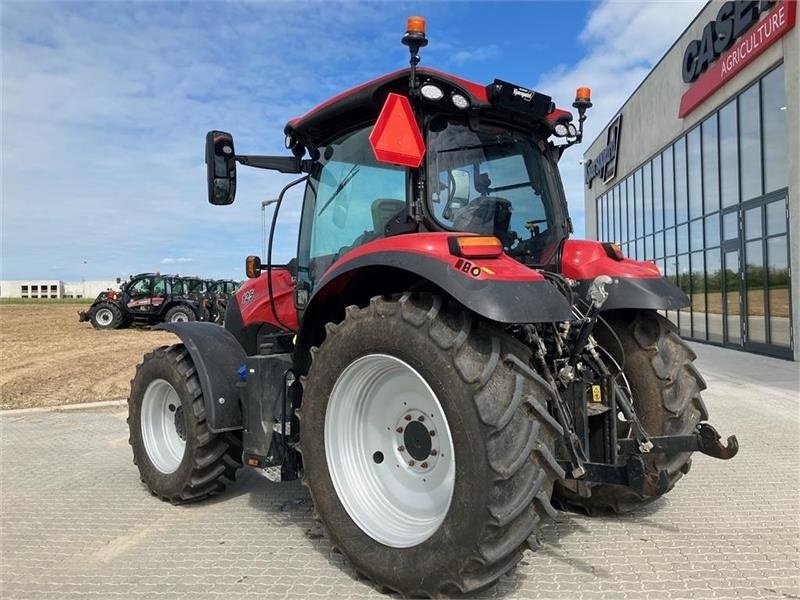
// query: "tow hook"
[[709, 443]]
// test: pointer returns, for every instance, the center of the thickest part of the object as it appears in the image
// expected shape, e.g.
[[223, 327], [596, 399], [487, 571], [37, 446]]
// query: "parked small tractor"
[[144, 299], [441, 364]]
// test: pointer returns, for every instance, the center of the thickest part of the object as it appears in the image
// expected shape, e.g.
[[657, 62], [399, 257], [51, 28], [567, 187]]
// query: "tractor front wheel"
[[179, 458], [180, 314], [106, 316], [427, 446]]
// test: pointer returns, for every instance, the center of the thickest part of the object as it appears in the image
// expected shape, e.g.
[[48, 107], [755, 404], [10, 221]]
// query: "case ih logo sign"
[[732, 41], [605, 164]]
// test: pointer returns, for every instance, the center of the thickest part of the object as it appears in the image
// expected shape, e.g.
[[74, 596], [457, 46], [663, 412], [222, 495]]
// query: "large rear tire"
[[666, 388], [179, 458], [416, 512]]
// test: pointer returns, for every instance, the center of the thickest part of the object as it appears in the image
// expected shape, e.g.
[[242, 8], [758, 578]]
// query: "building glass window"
[[696, 234], [622, 191], [694, 170], [658, 202], [729, 155], [684, 282], [698, 297], [710, 164], [778, 287], [647, 195], [631, 208], [750, 142], [773, 118], [681, 206], [638, 194], [712, 230], [713, 282], [669, 187]]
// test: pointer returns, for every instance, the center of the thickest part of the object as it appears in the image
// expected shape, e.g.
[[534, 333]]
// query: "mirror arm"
[[283, 164]]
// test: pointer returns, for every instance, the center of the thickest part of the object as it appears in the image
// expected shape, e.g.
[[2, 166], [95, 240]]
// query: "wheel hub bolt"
[[434, 452], [399, 430], [424, 465], [408, 417], [431, 433], [401, 448], [420, 418], [411, 463]]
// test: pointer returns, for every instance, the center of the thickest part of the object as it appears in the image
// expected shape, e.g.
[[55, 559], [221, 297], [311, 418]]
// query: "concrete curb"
[[65, 407]]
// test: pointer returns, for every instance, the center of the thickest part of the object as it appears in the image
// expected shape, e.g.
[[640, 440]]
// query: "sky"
[[105, 106]]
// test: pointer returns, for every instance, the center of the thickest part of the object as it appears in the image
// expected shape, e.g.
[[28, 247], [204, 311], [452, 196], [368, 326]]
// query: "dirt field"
[[47, 358]]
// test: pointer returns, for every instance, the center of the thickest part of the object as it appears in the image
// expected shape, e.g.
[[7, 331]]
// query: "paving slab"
[[77, 523]]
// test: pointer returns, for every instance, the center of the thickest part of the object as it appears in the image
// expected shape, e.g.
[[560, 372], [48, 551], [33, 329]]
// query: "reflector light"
[[460, 101], [583, 94], [416, 24], [476, 246], [431, 92], [396, 138]]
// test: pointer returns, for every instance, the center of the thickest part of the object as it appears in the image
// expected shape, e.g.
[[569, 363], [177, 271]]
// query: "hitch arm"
[[705, 439]]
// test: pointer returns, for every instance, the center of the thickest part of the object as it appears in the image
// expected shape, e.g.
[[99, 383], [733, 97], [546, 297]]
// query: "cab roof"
[[362, 104]]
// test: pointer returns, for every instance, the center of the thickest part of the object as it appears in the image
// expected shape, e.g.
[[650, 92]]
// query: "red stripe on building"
[[762, 35]]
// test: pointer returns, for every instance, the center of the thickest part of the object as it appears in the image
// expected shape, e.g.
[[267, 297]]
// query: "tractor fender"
[[499, 289], [217, 356], [637, 283]]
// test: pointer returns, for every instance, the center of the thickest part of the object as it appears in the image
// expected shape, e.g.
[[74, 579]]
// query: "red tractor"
[[440, 363]]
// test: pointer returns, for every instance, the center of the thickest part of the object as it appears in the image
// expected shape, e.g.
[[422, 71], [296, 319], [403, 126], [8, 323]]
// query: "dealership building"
[[699, 171]]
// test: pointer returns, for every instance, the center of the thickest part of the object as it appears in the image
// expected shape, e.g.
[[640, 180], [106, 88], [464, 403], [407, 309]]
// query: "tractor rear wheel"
[[106, 316], [179, 314], [179, 458], [427, 446], [666, 388]]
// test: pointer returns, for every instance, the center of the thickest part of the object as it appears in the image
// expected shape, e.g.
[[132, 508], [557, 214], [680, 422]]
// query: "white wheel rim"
[[162, 417], [401, 501], [104, 316], [179, 317]]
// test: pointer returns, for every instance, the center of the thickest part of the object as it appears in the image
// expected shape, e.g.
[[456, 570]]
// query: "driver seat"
[[383, 211]]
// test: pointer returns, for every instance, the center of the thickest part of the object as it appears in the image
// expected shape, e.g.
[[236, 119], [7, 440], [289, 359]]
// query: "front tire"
[[106, 316], [179, 458], [666, 388], [180, 314], [463, 519]]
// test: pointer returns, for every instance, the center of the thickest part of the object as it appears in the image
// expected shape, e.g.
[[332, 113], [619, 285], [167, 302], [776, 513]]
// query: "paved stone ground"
[[76, 522]]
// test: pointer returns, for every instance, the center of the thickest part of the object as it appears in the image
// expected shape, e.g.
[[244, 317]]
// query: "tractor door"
[[159, 294], [140, 296], [350, 199]]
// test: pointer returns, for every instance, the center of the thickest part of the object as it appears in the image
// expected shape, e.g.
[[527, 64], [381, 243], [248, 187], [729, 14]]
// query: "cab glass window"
[[350, 199], [159, 287], [493, 181], [140, 288]]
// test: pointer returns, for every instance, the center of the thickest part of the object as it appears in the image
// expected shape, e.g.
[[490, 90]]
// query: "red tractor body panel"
[[584, 259], [436, 245], [254, 301]]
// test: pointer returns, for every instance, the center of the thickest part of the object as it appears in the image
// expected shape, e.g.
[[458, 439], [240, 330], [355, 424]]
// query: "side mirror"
[[252, 267], [221, 167]]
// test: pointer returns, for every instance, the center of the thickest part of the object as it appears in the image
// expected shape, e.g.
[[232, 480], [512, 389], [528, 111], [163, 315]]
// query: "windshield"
[[493, 181]]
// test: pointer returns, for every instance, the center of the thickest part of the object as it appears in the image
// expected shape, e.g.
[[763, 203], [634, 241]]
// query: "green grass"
[[84, 301]]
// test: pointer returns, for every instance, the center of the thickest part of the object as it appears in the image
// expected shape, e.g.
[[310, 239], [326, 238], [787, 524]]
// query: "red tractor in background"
[[440, 362]]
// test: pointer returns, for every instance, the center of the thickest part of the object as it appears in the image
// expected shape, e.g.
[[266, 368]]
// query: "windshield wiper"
[[342, 184]]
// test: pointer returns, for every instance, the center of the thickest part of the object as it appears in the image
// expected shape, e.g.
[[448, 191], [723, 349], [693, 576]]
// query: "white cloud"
[[175, 261], [623, 40]]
